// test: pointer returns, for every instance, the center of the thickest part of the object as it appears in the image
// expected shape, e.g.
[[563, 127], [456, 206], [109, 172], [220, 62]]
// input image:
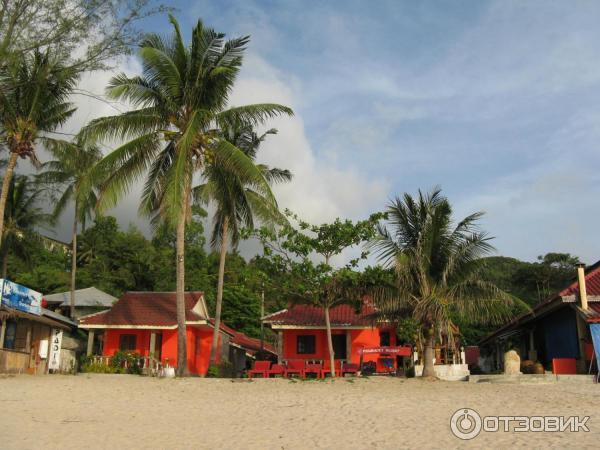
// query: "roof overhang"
[[140, 327], [275, 326]]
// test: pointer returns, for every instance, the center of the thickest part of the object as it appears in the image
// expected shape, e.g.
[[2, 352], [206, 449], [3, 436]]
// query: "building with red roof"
[[302, 335], [556, 329], [146, 323]]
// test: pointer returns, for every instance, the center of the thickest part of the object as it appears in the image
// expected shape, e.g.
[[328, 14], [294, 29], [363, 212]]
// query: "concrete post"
[[28, 339], [152, 343], [90, 343], [280, 347], [348, 345], [2, 333]]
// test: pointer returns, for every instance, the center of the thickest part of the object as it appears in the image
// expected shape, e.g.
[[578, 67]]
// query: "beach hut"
[[302, 335], [30, 335], [145, 323], [556, 333]]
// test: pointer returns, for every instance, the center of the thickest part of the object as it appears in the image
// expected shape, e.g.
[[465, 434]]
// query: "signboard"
[[399, 351], [19, 297], [55, 345]]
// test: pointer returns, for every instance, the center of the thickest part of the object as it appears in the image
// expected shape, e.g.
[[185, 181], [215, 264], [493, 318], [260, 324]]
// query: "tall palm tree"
[[237, 203], [33, 101], [437, 265], [74, 171], [181, 100], [23, 215]]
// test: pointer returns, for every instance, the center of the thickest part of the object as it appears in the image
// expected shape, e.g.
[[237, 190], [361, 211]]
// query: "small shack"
[[556, 332], [30, 335]]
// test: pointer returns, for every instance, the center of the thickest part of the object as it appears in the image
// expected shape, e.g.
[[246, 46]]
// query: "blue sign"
[[19, 297]]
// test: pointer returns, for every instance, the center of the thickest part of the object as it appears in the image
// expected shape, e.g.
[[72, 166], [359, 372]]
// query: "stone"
[[512, 363]]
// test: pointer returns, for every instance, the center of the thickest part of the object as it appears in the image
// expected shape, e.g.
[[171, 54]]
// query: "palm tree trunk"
[[330, 342], [224, 243], [74, 262], [10, 168], [428, 368], [182, 368], [5, 265]]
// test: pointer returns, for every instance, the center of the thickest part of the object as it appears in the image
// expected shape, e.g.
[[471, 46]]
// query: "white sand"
[[122, 411]]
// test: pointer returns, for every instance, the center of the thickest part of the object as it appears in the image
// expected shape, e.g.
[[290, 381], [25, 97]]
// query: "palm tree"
[[437, 265], [33, 102], [181, 101], [73, 170], [237, 204], [22, 215]]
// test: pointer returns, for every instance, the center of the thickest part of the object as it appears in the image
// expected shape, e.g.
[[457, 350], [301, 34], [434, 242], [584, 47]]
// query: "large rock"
[[512, 363]]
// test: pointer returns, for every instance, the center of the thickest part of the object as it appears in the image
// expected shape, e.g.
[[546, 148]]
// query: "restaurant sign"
[[399, 351], [19, 297]]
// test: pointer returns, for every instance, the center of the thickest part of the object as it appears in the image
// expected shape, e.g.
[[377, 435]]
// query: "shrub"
[[222, 370]]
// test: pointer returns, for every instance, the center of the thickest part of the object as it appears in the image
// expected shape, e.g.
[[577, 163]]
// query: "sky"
[[494, 101]]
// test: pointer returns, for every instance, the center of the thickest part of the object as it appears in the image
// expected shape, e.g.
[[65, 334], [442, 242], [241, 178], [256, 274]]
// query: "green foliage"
[[222, 370], [87, 34]]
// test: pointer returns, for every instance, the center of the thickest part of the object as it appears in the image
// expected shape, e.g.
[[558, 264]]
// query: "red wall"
[[198, 344], [361, 338]]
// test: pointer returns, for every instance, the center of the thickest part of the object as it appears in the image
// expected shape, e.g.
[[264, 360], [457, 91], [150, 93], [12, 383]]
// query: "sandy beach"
[[124, 411]]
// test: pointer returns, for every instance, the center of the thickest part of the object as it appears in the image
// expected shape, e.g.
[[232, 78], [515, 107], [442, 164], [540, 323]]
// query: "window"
[[384, 338], [306, 344], [127, 342]]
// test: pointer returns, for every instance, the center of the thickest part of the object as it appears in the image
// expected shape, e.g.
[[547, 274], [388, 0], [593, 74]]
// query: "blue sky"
[[497, 102]]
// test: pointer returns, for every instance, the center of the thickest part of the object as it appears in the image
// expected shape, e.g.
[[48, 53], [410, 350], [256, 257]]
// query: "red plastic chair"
[[295, 367], [313, 368], [260, 368], [350, 368], [326, 370], [276, 369]]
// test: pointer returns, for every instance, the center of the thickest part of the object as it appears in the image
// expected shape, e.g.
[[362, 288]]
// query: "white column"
[[280, 347], [152, 343], [90, 342]]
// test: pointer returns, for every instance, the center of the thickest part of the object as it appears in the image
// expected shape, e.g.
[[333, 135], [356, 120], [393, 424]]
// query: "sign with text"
[[399, 351], [55, 345], [19, 297]]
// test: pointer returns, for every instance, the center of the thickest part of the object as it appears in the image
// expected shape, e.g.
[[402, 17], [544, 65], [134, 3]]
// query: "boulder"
[[512, 363]]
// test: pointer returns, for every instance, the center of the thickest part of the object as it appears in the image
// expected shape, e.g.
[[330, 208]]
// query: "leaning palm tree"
[[437, 265], [73, 170], [237, 204], [181, 100], [33, 102], [23, 215]]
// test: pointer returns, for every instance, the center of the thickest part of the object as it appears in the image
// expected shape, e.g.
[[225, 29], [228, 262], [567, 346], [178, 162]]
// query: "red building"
[[146, 323], [302, 335]]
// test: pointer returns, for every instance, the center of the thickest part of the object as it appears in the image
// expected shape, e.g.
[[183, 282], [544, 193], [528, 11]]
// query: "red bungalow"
[[146, 323], [302, 335]]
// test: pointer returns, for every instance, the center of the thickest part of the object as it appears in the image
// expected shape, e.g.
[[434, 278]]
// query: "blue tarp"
[[595, 330], [561, 335]]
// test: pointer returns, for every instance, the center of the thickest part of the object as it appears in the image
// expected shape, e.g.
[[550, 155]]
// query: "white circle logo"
[[465, 424]]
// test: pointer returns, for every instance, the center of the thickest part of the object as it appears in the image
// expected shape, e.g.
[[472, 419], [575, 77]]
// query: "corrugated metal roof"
[[89, 297]]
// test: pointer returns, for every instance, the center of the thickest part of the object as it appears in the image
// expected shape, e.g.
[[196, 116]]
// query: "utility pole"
[[262, 314]]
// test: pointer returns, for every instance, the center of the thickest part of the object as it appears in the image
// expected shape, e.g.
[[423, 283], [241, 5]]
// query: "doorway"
[[339, 346]]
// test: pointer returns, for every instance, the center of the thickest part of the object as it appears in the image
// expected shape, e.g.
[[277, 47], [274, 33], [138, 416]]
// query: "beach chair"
[[260, 368], [295, 367], [313, 368], [276, 369], [326, 370], [350, 368]]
